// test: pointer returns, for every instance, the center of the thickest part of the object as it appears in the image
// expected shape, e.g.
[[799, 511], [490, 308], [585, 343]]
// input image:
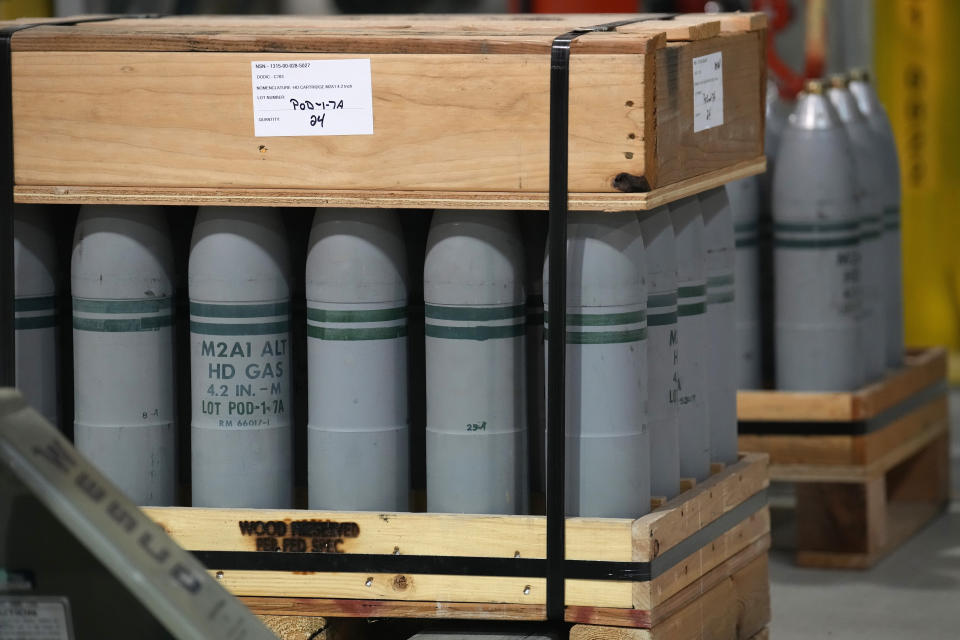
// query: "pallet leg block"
[[854, 525]]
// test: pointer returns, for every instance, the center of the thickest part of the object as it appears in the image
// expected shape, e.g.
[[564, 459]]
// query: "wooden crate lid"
[[423, 33]]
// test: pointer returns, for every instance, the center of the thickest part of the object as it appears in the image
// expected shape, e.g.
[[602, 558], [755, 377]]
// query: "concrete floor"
[[913, 593]]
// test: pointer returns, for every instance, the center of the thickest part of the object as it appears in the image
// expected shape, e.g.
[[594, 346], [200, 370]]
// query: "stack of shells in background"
[[825, 220]]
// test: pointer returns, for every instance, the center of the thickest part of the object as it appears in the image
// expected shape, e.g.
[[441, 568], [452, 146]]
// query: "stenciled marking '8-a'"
[[123, 345]]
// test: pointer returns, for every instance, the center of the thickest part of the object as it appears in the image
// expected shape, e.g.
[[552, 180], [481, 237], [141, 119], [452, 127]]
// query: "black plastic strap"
[[7, 272], [556, 340], [7, 275]]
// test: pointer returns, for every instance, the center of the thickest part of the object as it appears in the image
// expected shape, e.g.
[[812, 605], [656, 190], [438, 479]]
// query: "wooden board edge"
[[494, 200], [920, 371], [765, 405], [731, 22], [344, 608], [923, 367], [207, 529], [860, 473], [662, 529]]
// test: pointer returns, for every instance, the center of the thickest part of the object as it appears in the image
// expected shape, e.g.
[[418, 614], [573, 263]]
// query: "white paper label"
[[34, 619], [312, 98], [707, 91]]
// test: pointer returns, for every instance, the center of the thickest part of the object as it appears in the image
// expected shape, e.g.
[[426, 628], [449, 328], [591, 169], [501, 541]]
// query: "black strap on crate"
[[556, 315], [7, 275]]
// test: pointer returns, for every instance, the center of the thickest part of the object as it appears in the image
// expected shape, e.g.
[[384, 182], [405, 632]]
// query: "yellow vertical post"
[[916, 49], [10, 9]]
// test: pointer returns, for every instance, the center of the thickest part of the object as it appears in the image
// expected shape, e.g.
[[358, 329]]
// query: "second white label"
[[707, 91]]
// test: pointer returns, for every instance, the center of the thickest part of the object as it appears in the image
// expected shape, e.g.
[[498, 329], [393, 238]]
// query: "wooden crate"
[[871, 467], [695, 543], [161, 111]]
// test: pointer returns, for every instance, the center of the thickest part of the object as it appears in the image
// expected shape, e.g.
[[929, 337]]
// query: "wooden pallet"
[[693, 544], [871, 467], [460, 108]]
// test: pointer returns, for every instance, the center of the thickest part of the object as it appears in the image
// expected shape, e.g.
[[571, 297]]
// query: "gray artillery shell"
[[816, 253], [474, 303], [242, 453], [692, 326], [719, 264], [35, 284], [778, 110], [123, 349], [663, 418], [744, 198], [357, 433], [608, 444], [886, 148], [868, 172]]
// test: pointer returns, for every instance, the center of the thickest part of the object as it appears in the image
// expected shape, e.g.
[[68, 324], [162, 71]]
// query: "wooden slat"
[[844, 450], [300, 40], [186, 121], [790, 406], [930, 431], [801, 449], [922, 368], [880, 444], [344, 608], [734, 22], [433, 534], [500, 201], [454, 33], [421, 588], [388, 586]]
